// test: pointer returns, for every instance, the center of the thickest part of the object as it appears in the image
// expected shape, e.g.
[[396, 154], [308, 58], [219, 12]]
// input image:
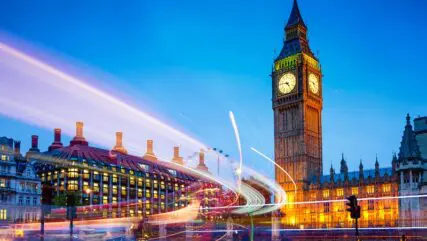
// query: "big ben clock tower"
[[297, 106]]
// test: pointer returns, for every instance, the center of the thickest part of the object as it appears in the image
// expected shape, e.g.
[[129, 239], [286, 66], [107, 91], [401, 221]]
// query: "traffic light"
[[353, 208]]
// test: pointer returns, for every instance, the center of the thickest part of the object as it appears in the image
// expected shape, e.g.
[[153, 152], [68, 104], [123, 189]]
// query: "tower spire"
[[295, 18]]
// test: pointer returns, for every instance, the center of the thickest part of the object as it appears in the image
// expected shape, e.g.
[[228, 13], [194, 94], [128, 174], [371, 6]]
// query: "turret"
[[149, 154], [377, 167], [361, 176], [344, 168], [332, 174]]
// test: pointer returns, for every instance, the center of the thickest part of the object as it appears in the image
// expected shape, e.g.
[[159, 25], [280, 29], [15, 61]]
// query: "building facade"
[[316, 200], [113, 183], [20, 188]]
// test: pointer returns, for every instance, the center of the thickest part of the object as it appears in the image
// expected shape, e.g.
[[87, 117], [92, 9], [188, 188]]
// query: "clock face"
[[287, 83], [313, 83]]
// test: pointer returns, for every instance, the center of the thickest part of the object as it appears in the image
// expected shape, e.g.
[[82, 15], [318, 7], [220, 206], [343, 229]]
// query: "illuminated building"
[[19, 186], [114, 183], [297, 105]]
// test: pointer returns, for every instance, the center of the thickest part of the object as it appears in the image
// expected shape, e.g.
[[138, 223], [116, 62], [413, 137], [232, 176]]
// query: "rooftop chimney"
[[119, 144], [202, 166], [79, 138], [176, 158], [34, 144], [56, 144], [149, 155], [17, 147]]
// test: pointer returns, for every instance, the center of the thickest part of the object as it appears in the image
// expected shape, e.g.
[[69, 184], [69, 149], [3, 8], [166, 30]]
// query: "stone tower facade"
[[297, 106]]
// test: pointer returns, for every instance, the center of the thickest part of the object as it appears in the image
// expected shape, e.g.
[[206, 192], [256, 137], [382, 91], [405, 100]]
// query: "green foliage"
[[65, 199]]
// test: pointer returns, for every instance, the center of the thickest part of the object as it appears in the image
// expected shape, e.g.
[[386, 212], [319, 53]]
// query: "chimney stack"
[[119, 143], [17, 147], [34, 143], [202, 166], [176, 158], [79, 138], [149, 154], [56, 144]]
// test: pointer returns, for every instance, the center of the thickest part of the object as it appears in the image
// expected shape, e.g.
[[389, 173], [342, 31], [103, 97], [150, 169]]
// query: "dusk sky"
[[190, 62]]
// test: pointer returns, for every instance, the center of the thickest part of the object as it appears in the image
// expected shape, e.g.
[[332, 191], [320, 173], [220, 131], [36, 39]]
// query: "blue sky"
[[190, 62]]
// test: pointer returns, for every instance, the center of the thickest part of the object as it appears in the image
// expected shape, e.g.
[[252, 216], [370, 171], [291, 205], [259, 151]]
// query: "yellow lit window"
[[162, 185], [73, 172], [114, 189], [354, 191], [139, 192], [114, 178], [104, 200], [86, 174], [123, 190], [155, 184], [140, 182], [3, 158], [370, 189], [325, 193], [386, 188], [131, 172], [73, 185], [105, 177], [105, 188], [155, 194], [340, 192], [96, 187], [3, 214], [132, 181], [85, 186], [176, 187], [147, 193], [114, 201]]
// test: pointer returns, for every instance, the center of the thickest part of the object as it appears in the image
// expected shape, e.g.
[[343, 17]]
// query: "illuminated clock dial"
[[313, 83], [287, 83]]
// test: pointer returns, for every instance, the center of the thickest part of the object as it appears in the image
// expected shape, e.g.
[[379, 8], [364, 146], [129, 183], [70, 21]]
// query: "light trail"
[[269, 159], [239, 146], [328, 201], [352, 229], [72, 98]]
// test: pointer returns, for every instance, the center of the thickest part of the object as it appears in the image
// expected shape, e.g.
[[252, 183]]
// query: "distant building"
[[20, 188], [114, 183]]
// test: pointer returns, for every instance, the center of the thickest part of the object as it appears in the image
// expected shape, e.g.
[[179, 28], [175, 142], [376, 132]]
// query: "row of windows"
[[386, 188], [27, 201]]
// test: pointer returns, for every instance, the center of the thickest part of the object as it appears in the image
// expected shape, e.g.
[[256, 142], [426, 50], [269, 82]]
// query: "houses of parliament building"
[[388, 196]]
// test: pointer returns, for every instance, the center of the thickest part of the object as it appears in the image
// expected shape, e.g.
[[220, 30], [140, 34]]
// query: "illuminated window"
[[86, 174], [371, 204], [105, 177], [139, 192], [162, 205], [114, 200], [85, 186], [155, 184], [147, 204], [114, 178], [123, 190], [370, 189], [155, 194], [104, 200], [123, 170], [176, 187], [96, 187], [162, 185], [49, 176], [105, 188], [131, 172], [386, 188], [73, 185], [132, 181], [147, 183], [354, 191], [326, 207], [3, 157], [73, 172], [340, 192], [147, 193], [114, 189], [140, 180], [2, 182], [3, 214], [325, 193]]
